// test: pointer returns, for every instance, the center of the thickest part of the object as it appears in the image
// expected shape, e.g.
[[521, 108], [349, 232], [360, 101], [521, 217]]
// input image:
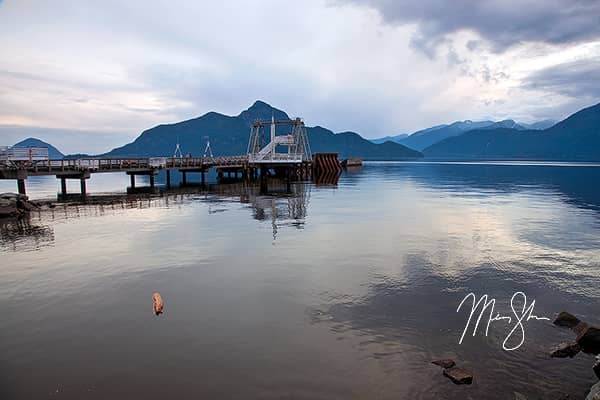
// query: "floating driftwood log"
[[157, 303]]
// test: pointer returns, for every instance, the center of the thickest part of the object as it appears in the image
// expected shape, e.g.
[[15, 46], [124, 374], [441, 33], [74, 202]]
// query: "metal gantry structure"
[[295, 140]]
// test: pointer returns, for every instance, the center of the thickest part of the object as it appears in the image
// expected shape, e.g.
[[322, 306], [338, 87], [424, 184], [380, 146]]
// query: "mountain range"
[[577, 138], [229, 136], [426, 137]]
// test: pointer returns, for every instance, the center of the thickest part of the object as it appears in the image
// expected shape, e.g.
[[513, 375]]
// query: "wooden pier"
[[261, 161], [82, 169]]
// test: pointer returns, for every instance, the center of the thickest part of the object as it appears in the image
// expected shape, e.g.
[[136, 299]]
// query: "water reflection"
[[282, 205], [24, 235], [406, 322], [353, 300], [575, 184]]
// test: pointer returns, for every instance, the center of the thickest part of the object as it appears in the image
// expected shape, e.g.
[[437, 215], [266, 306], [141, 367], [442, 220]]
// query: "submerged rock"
[[596, 367], [15, 205], [589, 340], [444, 363], [564, 350], [13, 196], [9, 211], [566, 319], [157, 303], [579, 328], [459, 375], [594, 392]]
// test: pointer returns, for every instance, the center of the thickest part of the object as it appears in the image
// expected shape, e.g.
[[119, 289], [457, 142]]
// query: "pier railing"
[[117, 164]]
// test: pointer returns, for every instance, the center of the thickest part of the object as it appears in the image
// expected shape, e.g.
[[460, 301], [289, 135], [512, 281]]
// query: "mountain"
[[53, 152], [351, 144], [426, 137], [397, 138], [507, 123], [229, 136], [576, 138], [540, 125]]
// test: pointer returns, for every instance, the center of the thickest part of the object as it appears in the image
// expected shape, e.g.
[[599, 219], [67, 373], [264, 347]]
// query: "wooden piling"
[[21, 186]]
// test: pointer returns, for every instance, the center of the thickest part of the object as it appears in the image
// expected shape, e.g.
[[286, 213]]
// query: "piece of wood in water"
[[157, 303]]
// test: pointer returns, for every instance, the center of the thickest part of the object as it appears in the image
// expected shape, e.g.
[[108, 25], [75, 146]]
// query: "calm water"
[[331, 291]]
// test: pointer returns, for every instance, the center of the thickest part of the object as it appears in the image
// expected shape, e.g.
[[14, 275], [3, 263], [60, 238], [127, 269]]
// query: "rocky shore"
[[587, 340], [13, 205]]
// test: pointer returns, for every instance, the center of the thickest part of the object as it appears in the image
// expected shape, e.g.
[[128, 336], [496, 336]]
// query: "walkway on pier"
[[83, 168]]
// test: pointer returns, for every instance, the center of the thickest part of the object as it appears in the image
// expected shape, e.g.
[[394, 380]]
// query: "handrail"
[[124, 163]]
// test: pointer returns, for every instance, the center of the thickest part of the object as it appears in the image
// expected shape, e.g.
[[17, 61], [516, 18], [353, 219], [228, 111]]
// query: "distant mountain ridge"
[[577, 138], [426, 137], [397, 138], [229, 136], [53, 152]]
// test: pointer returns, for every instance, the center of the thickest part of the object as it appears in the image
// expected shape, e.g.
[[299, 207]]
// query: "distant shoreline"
[[541, 163]]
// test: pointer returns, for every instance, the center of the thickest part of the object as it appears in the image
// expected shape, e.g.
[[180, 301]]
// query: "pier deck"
[[83, 168]]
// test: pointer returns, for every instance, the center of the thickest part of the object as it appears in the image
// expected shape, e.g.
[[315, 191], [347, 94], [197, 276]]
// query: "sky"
[[98, 73]]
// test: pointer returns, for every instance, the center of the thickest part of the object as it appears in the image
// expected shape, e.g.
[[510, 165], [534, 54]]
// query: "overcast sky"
[[377, 67]]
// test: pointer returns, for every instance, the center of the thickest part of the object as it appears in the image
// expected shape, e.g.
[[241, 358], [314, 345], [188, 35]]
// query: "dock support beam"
[[203, 177], [152, 180], [21, 186], [183, 178], [132, 176], [169, 178], [82, 178]]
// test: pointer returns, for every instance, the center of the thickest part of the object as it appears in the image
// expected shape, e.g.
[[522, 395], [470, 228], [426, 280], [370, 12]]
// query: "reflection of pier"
[[263, 159], [14, 232], [280, 206]]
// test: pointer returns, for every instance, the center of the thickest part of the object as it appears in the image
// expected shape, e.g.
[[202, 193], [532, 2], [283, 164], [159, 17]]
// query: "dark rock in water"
[[26, 205], [579, 328], [14, 205], [13, 196], [564, 350], [445, 363], [589, 340], [594, 392], [566, 319], [7, 212], [458, 375]]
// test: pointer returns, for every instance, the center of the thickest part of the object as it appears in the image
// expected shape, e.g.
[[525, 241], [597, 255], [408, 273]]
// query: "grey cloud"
[[578, 79], [501, 23]]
